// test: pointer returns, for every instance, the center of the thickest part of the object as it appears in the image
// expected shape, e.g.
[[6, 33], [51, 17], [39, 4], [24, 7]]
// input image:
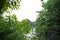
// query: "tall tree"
[[48, 21], [12, 29], [5, 25]]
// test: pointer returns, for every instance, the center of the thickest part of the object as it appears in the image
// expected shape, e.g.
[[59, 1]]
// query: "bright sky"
[[28, 10]]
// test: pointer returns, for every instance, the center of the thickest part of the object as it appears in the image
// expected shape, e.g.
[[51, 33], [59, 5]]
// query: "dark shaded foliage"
[[48, 21]]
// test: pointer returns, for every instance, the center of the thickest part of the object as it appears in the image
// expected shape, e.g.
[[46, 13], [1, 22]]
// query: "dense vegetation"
[[47, 25], [10, 27], [48, 22]]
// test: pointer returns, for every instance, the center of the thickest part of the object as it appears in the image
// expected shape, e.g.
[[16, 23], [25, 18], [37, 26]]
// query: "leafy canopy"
[[9, 4], [48, 21]]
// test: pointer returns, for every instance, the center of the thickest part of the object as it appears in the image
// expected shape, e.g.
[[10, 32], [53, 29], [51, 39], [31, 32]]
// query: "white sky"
[[28, 9]]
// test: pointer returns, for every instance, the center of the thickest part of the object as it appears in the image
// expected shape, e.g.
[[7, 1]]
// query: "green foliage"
[[26, 26], [48, 21], [8, 4], [33, 38], [12, 29]]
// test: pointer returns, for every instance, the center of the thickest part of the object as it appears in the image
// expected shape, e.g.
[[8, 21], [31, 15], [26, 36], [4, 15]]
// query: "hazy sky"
[[28, 9]]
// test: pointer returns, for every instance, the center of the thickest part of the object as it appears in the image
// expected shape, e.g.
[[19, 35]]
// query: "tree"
[[5, 5], [26, 26], [48, 21], [12, 29], [5, 25]]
